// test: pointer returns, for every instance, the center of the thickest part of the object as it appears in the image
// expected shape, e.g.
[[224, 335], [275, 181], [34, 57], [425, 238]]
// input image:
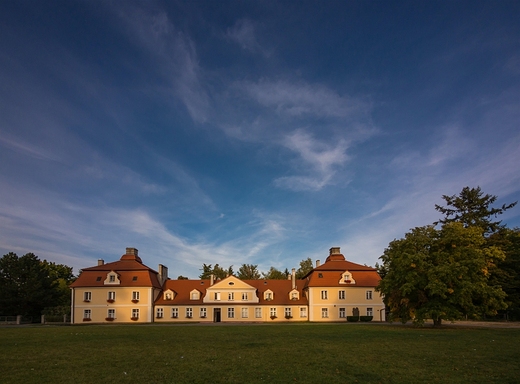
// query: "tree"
[[441, 275], [248, 272], [28, 285], [217, 271], [305, 267], [274, 274], [180, 277], [472, 208]]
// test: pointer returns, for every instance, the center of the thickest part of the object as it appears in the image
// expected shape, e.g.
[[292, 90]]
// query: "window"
[[324, 313], [175, 312], [87, 296], [98, 278], [231, 313], [245, 313], [87, 313], [168, 296], [342, 313], [231, 296], [294, 296], [244, 295], [135, 314], [194, 295], [189, 313], [135, 295], [203, 312], [303, 312], [134, 278], [320, 275], [272, 312], [159, 313], [288, 313], [112, 278], [111, 314], [268, 295], [217, 296], [324, 295], [258, 313], [341, 295], [369, 295], [111, 296], [370, 312]]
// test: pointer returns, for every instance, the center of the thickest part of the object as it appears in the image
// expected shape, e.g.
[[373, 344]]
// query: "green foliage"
[[217, 271], [180, 277], [441, 275], [274, 274], [248, 272], [305, 267], [28, 285], [366, 319], [473, 209], [352, 319]]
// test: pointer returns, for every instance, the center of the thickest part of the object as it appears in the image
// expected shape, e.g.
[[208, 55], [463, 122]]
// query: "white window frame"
[[217, 296], [231, 313], [258, 313], [272, 312], [111, 313], [87, 296], [87, 314], [244, 296], [135, 295], [369, 295], [324, 313], [370, 312], [342, 313], [189, 312], [203, 312], [175, 313], [231, 296], [341, 295], [288, 312], [303, 311], [135, 313], [324, 295], [245, 312], [159, 313], [112, 295]]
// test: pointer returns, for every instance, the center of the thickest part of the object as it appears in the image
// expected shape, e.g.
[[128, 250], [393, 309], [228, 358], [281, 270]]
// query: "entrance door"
[[216, 315]]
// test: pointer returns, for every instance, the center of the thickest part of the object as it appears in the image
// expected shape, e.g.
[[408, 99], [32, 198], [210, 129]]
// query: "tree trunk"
[[437, 322]]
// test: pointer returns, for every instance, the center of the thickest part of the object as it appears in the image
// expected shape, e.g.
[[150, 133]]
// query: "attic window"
[[201, 283], [265, 282], [134, 278], [320, 275], [98, 278], [231, 283]]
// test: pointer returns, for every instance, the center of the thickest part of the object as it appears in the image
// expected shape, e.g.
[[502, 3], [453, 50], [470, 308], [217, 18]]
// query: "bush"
[[366, 318], [352, 319]]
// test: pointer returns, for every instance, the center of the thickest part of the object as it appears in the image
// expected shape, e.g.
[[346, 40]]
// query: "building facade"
[[129, 291]]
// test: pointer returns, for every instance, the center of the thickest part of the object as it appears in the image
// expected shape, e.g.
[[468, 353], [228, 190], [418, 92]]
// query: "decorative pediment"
[[231, 282], [347, 279], [112, 278], [231, 289]]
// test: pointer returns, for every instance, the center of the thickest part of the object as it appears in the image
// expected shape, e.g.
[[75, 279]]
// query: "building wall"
[[123, 305]]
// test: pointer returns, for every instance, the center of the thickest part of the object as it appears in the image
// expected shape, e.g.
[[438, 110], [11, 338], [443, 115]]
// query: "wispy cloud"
[[244, 34]]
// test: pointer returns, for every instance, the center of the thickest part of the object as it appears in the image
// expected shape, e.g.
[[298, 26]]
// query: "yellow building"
[[129, 291]]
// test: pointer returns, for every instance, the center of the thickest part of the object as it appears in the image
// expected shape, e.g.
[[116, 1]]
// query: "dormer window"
[[194, 295], [295, 295], [112, 278], [168, 295], [346, 278], [268, 295]]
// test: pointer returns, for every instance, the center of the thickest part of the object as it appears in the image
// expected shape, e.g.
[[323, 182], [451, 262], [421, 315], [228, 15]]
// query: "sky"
[[249, 132]]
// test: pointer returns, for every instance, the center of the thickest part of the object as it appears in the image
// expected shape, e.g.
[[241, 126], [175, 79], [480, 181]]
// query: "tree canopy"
[[28, 285], [473, 209], [275, 274], [248, 272], [441, 275], [305, 267], [217, 271]]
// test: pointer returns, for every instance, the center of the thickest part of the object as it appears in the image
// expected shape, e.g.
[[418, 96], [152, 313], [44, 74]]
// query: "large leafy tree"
[[28, 285], [441, 275], [305, 267], [248, 272], [217, 271], [275, 274], [473, 209]]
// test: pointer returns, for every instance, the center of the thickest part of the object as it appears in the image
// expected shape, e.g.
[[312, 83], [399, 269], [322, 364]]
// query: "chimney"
[[163, 273], [317, 263], [335, 251], [101, 262], [293, 278], [132, 251], [211, 279]]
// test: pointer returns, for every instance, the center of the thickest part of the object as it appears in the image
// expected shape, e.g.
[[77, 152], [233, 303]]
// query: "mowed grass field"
[[296, 353]]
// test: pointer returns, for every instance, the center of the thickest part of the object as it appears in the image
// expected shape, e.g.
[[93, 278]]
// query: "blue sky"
[[256, 132]]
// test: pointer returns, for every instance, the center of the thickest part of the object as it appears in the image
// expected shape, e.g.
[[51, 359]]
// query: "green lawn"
[[303, 353]]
